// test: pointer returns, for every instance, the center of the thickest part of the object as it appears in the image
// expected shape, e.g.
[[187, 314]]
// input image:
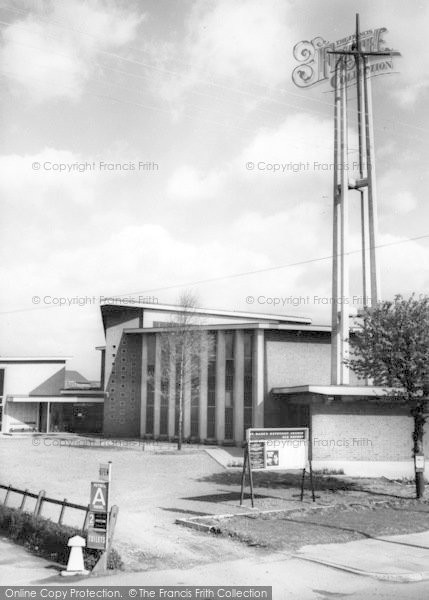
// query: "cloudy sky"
[[182, 94]]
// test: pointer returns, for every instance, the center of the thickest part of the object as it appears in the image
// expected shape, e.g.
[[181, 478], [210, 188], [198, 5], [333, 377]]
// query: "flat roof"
[[83, 392], [209, 311], [336, 390], [34, 358], [228, 326], [62, 399]]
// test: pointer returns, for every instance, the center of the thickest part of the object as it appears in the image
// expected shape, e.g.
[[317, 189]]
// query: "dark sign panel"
[[96, 539], [97, 520], [99, 496], [257, 456]]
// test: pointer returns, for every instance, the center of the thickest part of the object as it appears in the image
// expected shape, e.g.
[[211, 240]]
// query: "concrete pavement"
[[399, 558], [309, 575]]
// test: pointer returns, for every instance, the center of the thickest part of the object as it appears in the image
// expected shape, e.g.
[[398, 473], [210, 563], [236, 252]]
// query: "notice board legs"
[[310, 472], [302, 485], [243, 475], [246, 464], [311, 483]]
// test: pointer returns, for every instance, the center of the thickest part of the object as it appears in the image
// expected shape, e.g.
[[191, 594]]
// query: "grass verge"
[[343, 523]]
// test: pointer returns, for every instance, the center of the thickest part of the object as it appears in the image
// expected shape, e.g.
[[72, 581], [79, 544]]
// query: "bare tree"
[[181, 348]]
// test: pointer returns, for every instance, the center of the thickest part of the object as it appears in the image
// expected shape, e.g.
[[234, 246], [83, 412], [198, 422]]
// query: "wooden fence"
[[41, 498]]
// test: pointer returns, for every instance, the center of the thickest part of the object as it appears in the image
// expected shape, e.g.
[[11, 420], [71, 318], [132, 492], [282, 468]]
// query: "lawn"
[[342, 523]]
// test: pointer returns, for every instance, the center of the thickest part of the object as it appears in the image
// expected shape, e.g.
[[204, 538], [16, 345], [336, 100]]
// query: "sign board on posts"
[[282, 448], [98, 522]]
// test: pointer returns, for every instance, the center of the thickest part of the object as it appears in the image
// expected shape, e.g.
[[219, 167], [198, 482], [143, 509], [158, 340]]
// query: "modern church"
[[261, 371]]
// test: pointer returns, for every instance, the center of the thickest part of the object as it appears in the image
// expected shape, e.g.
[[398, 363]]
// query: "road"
[[291, 579]]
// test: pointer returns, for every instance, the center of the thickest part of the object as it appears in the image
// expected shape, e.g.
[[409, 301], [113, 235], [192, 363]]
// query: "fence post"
[[24, 498], [39, 502], [7, 494], [63, 507]]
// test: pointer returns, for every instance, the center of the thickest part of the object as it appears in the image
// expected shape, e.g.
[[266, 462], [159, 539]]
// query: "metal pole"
[[344, 212], [335, 340], [372, 192], [361, 134]]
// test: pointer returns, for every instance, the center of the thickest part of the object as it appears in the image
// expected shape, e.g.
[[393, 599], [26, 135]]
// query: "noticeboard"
[[281, 448]]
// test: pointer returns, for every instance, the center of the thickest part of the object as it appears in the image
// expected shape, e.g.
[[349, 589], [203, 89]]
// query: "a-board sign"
[[96, 539], [99, 499], [280, 448]]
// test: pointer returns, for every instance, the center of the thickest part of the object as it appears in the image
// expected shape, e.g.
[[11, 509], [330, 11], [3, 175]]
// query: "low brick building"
[[36, 395]]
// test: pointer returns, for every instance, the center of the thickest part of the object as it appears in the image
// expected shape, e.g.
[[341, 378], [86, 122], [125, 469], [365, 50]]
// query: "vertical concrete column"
[[172, 395], [187, 399], [220, 387], [103, 369], [238, 386], [48, 417], [143, 388], [258, 378], [5, 419], [202, 407], [157, 399]]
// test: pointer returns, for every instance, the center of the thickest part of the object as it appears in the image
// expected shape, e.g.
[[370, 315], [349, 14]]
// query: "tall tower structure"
[[365, 184]]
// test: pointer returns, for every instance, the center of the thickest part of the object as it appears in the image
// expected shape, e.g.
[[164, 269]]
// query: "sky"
[[127, 131]]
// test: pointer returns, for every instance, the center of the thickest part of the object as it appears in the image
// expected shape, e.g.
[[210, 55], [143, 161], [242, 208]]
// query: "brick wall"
[[297, 359], [123, 374], [293, 359], [361, 431]]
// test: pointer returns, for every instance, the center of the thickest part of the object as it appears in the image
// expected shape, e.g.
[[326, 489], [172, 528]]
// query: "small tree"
[[181, 349], [391, 347]]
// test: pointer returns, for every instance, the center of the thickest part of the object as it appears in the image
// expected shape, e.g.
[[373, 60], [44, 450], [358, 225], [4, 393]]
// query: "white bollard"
[[75, 565]]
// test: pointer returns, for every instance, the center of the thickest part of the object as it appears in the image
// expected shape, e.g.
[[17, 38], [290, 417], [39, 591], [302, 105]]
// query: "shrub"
[[48, 539]]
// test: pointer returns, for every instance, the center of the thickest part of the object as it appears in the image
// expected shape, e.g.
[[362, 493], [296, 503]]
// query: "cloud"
[[51, 55], [231, 44], [240, 39], [36, 181], [395, 199], [188, 185]]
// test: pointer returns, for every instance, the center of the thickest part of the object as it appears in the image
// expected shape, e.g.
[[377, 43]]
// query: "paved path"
[[19, 567], [291, 578], [400, 558]]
